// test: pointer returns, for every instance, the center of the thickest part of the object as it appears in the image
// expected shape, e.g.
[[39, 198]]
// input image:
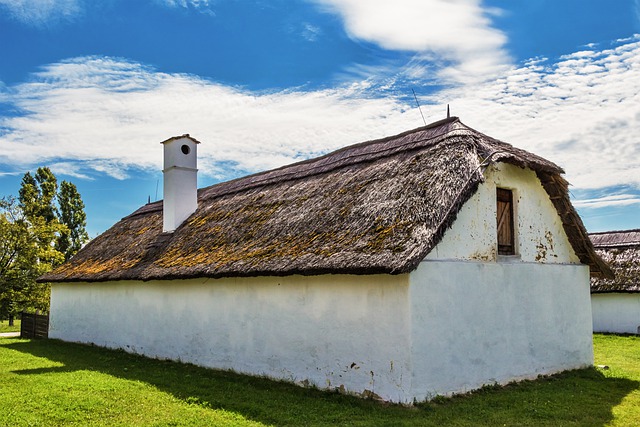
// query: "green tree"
[[72, 215], [39, 231], [41, 198], [38, 195], [24, 257]]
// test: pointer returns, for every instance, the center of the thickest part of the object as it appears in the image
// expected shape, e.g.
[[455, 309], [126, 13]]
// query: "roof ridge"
[[633, 230], [615, 239], [287, 172], [281, 174]]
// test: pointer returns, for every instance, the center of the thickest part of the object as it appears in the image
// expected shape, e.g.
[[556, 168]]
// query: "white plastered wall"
[[616, 312], [477, 323], [332, 331]]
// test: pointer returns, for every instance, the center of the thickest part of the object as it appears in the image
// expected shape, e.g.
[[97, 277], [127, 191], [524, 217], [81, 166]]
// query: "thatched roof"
[[621, 251], [375, 207]]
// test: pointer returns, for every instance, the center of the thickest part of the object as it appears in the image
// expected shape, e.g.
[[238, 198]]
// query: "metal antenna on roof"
[[419, 108], [448, 115]]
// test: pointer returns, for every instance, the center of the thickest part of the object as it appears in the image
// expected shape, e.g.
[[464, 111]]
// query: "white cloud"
[[73, 169], [458, 32], [582, 112], [311, 32], [41, 12], [186, 3], [109, 115], [608, 201], [203, 6]]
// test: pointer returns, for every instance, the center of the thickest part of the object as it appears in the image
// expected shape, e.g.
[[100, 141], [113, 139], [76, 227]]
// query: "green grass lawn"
[[4, 326], [48, 383]]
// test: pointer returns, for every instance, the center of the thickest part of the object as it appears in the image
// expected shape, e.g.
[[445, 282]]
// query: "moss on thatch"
[[621, 251], [374, 207]]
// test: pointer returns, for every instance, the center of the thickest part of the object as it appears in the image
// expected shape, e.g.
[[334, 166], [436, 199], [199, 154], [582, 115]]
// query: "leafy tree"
[[38, 194], [40, 198], [72, 215], [23, 258], [39, 231]]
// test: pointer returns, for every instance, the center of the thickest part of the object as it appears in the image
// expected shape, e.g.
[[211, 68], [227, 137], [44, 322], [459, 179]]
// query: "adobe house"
[[615, 302], [427, 263]]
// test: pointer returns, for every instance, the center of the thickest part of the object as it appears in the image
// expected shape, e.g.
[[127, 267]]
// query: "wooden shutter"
[[505, 222]]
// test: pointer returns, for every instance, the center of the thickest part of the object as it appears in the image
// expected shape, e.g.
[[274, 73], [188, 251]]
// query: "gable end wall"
[[540, 236]]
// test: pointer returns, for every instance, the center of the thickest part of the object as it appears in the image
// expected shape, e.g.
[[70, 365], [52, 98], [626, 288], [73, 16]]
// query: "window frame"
[[505, 222]]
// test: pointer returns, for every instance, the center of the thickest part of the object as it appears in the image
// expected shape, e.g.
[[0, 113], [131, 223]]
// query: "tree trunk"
[[11, 320]]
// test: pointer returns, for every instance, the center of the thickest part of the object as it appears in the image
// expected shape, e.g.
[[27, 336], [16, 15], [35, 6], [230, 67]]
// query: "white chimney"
[[180, 180]]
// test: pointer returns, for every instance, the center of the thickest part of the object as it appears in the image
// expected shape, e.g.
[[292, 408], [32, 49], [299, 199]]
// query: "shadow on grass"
[[582, 397]]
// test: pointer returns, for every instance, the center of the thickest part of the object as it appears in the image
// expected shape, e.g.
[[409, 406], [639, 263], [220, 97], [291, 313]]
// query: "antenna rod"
[[419, 108]]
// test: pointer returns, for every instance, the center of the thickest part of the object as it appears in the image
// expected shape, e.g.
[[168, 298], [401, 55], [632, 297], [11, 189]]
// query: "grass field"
[[4, 326], [48, 383]]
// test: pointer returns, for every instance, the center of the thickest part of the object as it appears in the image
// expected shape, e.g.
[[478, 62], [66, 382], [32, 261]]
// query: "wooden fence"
[[34, 325]]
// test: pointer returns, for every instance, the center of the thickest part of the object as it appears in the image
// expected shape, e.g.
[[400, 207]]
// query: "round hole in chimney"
[[185, 149]]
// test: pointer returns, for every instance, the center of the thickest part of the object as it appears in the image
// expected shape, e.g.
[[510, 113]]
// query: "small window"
[[506, 231]]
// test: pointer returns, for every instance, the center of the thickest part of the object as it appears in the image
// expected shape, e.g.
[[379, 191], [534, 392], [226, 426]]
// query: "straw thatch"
[[374, 207], [621, 251]]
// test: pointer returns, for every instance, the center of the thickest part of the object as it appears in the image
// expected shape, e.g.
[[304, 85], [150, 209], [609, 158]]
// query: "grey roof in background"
[[612, 239], [621, 251]]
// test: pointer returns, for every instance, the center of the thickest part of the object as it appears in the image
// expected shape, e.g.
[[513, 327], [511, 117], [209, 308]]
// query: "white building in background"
[[427, 263], [615, 301]]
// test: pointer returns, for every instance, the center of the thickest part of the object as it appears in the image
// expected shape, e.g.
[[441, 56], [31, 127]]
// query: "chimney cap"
[[186, 135]]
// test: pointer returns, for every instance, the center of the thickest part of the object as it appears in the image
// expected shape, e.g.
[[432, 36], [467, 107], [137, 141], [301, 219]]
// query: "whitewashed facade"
[[616, 312], [615, 301], [464, 318]]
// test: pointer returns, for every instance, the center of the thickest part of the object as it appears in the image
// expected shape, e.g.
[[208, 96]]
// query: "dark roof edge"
[[609, 246], [186, 135], [607, 239], [616, 291], [615, 231], [235, 274]]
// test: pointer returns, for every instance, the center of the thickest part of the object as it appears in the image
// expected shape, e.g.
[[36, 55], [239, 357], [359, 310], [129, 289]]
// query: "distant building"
[[427, 263], [615, 301]]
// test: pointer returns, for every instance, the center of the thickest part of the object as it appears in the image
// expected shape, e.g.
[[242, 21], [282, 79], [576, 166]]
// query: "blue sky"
[[91, 88]]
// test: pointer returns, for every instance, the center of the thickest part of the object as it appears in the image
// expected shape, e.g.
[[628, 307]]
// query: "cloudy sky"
[[91, 88]]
